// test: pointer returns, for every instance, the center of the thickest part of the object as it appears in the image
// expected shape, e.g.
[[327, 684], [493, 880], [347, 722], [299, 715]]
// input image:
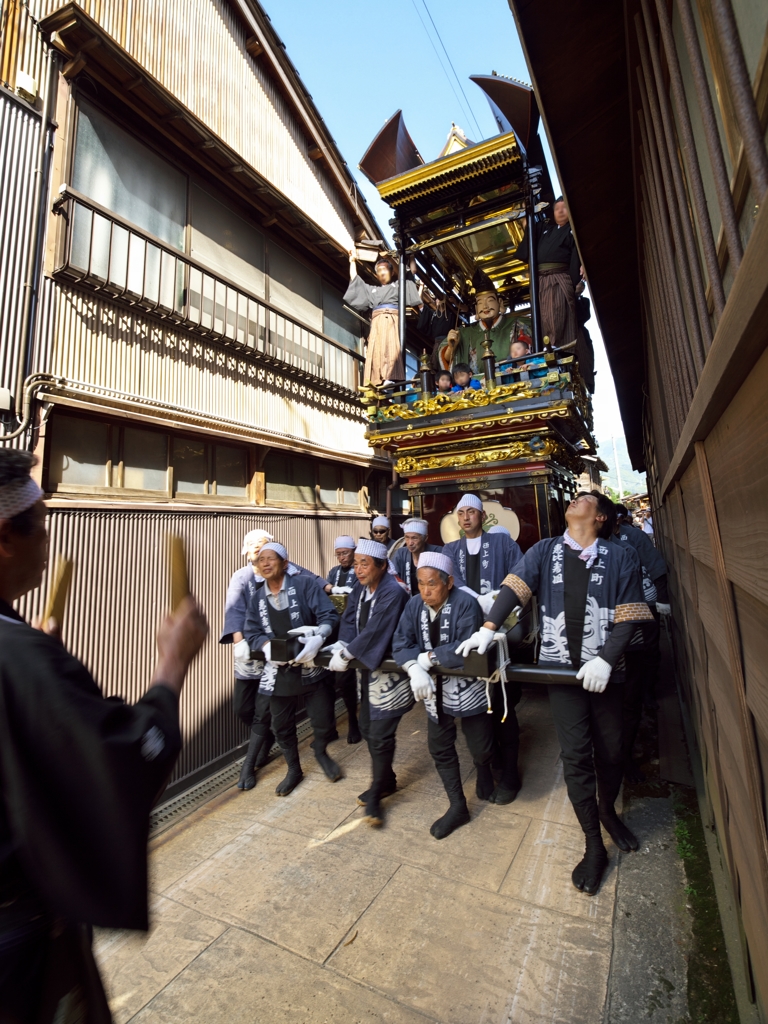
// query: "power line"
[[453, 69], [439, 60]]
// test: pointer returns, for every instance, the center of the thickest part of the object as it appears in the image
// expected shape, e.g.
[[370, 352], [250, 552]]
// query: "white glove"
[[242, 650], [311, 645], [267, 648], [479, 641], [425, 661], [338, 662], [304, 631], [341, 590], [422, 683], [595, 674], [663, 609], [486, 602]]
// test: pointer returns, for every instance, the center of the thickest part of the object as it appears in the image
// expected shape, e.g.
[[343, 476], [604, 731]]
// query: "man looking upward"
[[406, 558], [590, 602]]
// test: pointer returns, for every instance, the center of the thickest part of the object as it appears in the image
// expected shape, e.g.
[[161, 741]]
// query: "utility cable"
[[428, 34], [453, 69]]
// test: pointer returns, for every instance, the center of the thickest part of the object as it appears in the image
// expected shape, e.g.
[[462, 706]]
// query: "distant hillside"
[[631, 481]]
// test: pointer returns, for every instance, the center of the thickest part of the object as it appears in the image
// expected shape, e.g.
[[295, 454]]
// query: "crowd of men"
[[411, 617], [79, 772]]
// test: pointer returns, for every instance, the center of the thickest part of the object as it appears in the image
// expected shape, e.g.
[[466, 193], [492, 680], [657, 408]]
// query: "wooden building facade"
[[181, 345], [657, 113]]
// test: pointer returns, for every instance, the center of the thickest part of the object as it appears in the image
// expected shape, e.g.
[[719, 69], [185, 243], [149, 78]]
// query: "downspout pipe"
[[35, 256]]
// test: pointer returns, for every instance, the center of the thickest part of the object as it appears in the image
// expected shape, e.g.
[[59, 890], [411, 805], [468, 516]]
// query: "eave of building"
[[272, 49], [86, 46], [580, 76]]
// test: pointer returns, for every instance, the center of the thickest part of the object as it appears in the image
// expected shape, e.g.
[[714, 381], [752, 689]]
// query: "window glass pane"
[[231, 471], [145, 459], [351, 487], [118, 172], [329, 482], [338, 323], [294, 288], [290, 479], [226, 243], [78, 452], [190, 466]]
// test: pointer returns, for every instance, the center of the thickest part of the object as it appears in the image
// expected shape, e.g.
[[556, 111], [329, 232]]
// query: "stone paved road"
[[294, 911]]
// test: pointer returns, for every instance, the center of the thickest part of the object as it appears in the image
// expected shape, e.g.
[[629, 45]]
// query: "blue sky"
[[362, 61]]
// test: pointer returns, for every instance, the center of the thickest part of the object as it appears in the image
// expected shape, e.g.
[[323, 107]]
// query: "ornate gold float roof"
[[449, 171]]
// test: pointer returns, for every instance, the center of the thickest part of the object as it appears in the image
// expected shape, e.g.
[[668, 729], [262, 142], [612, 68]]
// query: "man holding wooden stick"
[[78, 777]]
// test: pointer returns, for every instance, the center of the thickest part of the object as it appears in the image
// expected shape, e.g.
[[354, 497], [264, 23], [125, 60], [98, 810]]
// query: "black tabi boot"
[[485, 786], [263, 756], [616, 829], [387, 789], [509, 784], [588, 873], [295, 774], [247, 779], [329, 766], [353, 729], [458, 813]]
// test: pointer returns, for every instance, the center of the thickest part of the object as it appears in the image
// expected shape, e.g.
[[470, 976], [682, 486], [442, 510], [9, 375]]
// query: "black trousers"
[[346, 685], [252, 707], [589, 728], [441, 739], [379, 734], [640, 685], [506, 735], [320, 704]]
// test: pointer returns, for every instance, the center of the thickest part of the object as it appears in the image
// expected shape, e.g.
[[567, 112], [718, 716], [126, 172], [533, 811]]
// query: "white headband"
[[371, 547], [498, 528], [343, 542], [18, 496], [278, 548], [436, 560], [250, 540], [380, 521], [470, 501], [416, 526]]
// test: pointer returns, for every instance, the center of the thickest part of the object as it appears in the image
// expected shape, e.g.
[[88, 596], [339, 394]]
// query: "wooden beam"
[[315, 153], [73, 67], [253, 46], [738, 343], [731, 628]]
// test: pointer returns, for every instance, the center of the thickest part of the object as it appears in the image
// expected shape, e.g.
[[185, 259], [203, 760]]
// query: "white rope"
[[500, 675]]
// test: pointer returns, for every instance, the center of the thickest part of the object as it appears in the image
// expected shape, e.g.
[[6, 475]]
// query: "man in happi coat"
[[559, 274], [406, 558], [481, 562], [341, 579], [383, 357], [424, 643], [643, 655], [79, 775], [590, 603], [367, 626], [249, 706], [282, 608], [492, 324]]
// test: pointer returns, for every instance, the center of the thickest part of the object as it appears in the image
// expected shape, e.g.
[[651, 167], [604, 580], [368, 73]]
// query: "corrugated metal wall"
[[196, 49], [120, 593], [19, 129], [84, 337]]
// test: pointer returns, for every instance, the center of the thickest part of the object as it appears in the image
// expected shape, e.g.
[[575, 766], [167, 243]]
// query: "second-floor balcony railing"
[[112, 256]]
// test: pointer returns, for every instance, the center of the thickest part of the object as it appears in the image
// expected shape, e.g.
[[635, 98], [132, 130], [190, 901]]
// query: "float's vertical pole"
[[401, 288], [533, 270]]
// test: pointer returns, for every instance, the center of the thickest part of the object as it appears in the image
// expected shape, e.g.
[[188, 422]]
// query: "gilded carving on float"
[[442, 403], [535, 449]]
